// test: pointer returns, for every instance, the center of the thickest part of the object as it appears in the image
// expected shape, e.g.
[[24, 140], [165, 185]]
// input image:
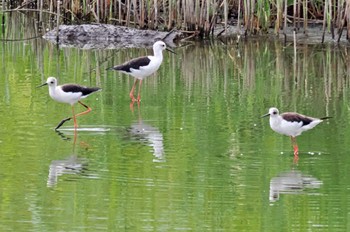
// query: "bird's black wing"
[[73, 88], [294, 117], [134, 64]]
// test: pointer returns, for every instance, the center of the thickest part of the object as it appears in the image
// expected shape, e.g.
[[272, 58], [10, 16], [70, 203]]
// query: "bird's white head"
[[51, 81], [160, 46], [273, 112]]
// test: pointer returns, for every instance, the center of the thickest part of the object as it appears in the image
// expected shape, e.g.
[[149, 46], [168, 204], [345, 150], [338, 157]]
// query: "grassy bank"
[[197, 17]]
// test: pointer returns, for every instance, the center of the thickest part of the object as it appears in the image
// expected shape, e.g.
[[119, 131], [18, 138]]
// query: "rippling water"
[[193, 156]]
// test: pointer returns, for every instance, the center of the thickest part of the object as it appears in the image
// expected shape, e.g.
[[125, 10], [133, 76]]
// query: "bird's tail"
[[328, 117]]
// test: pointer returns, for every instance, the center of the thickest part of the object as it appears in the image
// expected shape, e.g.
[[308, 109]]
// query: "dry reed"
[[198, 17]]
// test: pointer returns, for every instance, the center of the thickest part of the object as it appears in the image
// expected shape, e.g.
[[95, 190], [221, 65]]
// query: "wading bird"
[[71, 94], [291, 124], [143, 67]]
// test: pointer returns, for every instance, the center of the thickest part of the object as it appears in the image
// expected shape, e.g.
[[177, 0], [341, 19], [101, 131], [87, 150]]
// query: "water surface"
[[193, 156]]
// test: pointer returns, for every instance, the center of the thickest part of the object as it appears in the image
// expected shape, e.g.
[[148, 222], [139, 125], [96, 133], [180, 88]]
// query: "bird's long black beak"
[[170, 50], [41, 85], [265, 115]]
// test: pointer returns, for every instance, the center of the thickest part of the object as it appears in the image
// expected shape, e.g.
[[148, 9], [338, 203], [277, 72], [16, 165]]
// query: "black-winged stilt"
[[291, 124], [142, 67], [71, 94]]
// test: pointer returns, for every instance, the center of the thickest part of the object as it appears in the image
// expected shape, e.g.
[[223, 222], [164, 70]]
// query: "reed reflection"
[[149, 135], [292, 182]]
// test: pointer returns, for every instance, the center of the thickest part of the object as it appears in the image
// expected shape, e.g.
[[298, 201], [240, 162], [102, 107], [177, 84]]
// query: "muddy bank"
[[313, 35], [104, 36]]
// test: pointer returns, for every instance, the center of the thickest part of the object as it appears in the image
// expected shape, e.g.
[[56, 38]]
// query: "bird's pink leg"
[[131, 94], [295, 146], [85, 112], [74, 118], [82, 113], [139, 92]]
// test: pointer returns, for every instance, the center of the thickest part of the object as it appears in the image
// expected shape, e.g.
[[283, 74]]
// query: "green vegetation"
[[196, 17]]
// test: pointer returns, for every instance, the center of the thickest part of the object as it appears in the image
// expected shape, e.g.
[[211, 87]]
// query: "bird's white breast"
[[285, 127], [148, 70], [59, 95], [291, 128]]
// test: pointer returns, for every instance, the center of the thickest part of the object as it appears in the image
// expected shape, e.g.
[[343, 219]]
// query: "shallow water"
[[193, 156]]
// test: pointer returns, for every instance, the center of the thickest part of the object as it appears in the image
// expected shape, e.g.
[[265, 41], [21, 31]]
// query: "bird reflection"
[[144, 132], [64, 136], [70, 165], [292, 182]]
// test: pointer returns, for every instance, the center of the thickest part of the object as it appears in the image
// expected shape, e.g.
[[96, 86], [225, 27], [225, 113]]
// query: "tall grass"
[[198, 17]]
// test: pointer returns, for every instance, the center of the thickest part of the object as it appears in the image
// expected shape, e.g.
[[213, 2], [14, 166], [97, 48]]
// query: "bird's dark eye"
[[274, 112], [51, 82]]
